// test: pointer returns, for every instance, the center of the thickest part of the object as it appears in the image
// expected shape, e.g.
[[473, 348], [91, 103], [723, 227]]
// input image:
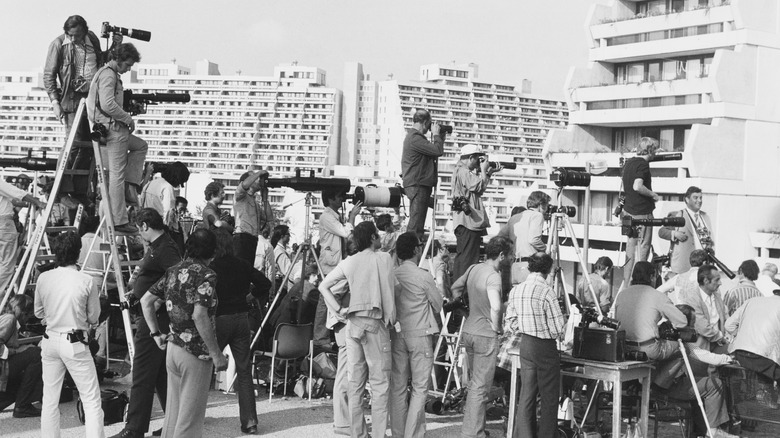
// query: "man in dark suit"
[[709, 308], [696, 234]]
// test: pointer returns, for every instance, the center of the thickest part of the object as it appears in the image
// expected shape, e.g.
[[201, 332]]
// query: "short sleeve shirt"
[[481, 278], [634, 168], [182, 287]]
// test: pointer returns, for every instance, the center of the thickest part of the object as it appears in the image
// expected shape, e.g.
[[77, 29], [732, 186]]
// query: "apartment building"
[[700, 76]]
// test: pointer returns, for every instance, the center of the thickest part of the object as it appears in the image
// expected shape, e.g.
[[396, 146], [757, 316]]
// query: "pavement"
[[287, 416]]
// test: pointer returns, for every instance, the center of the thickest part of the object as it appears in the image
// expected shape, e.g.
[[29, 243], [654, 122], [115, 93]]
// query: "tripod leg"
[[695, 387]]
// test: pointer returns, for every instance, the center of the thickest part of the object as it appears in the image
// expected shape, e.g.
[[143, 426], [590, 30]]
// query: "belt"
[[642, 343]]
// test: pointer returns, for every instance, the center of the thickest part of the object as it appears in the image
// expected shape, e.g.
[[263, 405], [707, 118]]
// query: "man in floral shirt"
[[188, 290]]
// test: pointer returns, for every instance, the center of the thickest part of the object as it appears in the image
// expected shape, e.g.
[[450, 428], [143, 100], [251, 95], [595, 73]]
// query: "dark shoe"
[[251, 430], [127, 228], [27, 412], [157, 432], [127, 433]]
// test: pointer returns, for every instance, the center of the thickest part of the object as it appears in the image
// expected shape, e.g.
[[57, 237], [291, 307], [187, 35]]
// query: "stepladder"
[[36, 251], [449, 350]]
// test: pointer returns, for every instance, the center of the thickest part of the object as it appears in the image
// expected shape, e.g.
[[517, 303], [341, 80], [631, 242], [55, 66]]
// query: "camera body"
[[80, 84], [568, 210], [590, 315], [445, 129], [663, 260], [667, 332], [77, 336], [461, 203], [99, 132], [619, 207]]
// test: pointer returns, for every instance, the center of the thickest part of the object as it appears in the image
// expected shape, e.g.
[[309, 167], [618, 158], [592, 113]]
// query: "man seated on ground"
[[21, 371], [756, 329], [745, 288]]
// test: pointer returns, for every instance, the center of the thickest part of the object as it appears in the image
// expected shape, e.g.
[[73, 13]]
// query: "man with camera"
[[68, 301], [419, 167], [695, 234], [639, 203], [482, 285], [124, 152], [251, 216], [525, 230], [708, 305], [149, 372], [469, 181]]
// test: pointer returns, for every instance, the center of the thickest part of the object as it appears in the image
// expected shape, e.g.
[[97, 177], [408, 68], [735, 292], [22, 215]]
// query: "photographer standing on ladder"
[[639, 203], [469, 181], [124, 152], [419, 167]]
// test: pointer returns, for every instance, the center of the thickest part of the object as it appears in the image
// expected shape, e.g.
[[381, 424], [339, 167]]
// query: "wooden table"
[[615, 372]]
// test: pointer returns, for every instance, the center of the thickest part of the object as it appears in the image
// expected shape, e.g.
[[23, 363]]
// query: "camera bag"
[[114, 404]]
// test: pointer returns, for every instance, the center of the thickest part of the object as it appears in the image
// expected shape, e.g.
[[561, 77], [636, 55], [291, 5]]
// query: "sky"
[[510, 40]]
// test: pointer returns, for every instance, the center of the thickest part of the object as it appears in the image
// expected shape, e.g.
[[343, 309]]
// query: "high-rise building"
[[508, 122], [699, 75]]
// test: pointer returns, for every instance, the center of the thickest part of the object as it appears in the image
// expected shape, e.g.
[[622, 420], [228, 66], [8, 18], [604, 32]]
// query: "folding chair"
[[291, 342]]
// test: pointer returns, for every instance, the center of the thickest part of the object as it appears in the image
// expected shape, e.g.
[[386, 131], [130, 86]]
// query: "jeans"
[[149, 374], [188, 392], [637, 248], [244, 247], [418, 208], [321, 332], [233, 330], [370, 360], [412, 357], [482, 352], [124, 156], [468, 242], [59, 356], [540, 370]]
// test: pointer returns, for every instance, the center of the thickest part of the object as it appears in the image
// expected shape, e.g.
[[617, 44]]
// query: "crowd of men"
[[194, 295]]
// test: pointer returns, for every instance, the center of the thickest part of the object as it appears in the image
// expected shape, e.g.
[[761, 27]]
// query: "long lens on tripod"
[[310, 184]]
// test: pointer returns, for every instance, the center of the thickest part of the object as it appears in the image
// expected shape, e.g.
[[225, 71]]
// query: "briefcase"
[[602, 344]]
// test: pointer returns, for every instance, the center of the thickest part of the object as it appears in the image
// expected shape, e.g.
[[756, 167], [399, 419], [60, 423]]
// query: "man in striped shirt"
[[533, 313], [745, 289]]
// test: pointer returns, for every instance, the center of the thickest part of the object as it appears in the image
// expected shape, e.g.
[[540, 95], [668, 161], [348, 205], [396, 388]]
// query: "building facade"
[[699, 75], [508, 122]]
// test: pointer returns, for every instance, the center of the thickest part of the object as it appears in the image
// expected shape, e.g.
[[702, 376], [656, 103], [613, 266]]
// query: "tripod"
[[304, 250], [558, 220]]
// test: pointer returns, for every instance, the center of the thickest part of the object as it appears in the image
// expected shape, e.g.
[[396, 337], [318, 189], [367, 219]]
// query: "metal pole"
[[586, 223]]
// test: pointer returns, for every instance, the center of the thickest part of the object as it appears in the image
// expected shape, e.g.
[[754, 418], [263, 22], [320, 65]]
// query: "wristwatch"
[[155, 334]]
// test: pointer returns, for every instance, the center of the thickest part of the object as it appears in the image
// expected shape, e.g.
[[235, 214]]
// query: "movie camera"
[[30, 163], [629, 226], [106, 28], [563, 177], [370, 195], [667, 332], [590, 315], [136, 103]]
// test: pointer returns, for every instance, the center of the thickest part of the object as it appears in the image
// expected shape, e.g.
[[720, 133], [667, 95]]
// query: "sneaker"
[[127, 228], [127, 433]]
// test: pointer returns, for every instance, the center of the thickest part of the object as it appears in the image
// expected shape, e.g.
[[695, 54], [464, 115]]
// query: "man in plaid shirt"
[[534, 316]]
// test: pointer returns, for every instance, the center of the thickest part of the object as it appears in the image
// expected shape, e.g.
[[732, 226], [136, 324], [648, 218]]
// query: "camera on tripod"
[[563, 177], [461, 203], [667, 332], [568, 210], [137, 34], [629, 226]]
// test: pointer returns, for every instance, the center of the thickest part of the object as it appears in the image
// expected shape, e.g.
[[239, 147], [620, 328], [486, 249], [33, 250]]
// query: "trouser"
[[78, 185], [412, 357], [188, 392], [321, 332], [233, 330], [370, 361], [9, 239], [244, 247], [468, 242], [124, 156], [482, 352], [148, 374], [637, 248], [25, 384], [418, 208], [341, 412], [711, 392], [759, 364], [540, 372], [58, 356]]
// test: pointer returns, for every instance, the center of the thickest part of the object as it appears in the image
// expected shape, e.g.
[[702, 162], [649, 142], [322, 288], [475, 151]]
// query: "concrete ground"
[[283, 417]]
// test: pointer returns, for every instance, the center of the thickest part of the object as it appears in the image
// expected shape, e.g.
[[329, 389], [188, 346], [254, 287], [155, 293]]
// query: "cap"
[[471, 149]]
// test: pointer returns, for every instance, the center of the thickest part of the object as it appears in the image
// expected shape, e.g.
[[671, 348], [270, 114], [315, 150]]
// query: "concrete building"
[[508, 122], [699, 75]]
